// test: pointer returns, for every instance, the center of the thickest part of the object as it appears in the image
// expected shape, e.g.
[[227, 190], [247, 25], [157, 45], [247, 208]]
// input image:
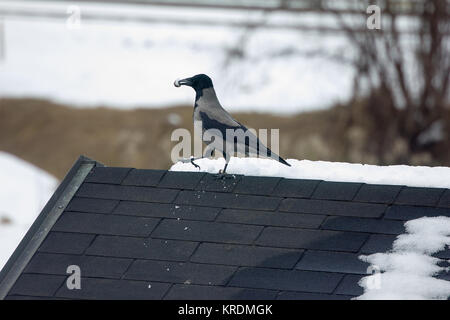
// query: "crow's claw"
[[191, 160], [223, 176], [194, 164]]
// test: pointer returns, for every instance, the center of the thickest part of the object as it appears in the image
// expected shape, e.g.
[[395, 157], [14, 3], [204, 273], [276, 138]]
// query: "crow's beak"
[[183, 82]]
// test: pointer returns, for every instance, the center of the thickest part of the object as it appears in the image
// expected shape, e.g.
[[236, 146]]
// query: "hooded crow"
[[219, 126]]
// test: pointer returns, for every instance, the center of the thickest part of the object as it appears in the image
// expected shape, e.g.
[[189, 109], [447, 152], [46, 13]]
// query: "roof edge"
[[43, 223]]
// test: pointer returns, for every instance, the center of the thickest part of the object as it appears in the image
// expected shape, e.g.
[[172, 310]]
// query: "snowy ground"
[[438, 177], [24, 190], [129, 64]]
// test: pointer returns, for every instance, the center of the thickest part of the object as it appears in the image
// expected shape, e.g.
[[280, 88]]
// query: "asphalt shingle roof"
[[154, 234]]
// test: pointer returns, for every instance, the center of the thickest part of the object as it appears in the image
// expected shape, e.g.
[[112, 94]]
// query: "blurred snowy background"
[[24, 190], [96, 78], [128, 56]]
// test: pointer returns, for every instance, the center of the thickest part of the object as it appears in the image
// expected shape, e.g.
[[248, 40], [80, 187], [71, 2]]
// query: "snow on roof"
[[406, 272], [24, 190], [413, 176]]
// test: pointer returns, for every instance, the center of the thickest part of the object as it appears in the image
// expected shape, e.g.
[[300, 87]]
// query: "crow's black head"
[[197, 82]]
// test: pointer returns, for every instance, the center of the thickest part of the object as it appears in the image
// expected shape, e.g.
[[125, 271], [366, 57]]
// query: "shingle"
[[206, 231], [311, 239], [71, 243], [163, 210], [91, 205], [330, 207], [181, 180], [332, 262], [112, 175], [327, 190], [257, 185], [413, 212], [209, 182], [363, 225], [146, 194], [443, 254], [378, 243], [445, 199], [291, 295], [271, 218], [178, 272], [443, 275], [128, 247], [105, 224], [444, 264], [143, 177], [241, 255], [198, 292], [225, 200], [295, 188], [91, 266], [37, 285], [291, 280], [349, 286], [377, 193], [419, 196], [107, 289]]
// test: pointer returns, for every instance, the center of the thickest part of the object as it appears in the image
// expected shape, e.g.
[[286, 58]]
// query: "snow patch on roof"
[[406, 272], [413, 176]]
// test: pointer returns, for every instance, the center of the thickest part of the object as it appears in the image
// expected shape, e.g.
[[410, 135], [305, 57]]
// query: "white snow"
[[406, 272], [127, 64], [414, 176], [24, 190]]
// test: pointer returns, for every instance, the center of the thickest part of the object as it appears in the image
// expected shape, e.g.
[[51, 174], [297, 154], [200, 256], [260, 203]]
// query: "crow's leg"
[[191, 160], [207, 154], [194, 164], [223, 173], [227, 160]]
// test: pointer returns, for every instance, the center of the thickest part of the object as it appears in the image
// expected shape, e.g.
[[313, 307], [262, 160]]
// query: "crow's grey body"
[[216, 123], [207, 110]]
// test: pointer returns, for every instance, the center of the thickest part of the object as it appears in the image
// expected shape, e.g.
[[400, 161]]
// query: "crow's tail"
[[280, 159], [274, 156], [262, 150]]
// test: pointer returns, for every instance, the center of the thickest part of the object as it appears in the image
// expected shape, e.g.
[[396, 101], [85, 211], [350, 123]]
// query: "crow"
[[218, 124]]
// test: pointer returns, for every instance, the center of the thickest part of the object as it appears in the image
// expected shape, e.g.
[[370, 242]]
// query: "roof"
[[156, 234]]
